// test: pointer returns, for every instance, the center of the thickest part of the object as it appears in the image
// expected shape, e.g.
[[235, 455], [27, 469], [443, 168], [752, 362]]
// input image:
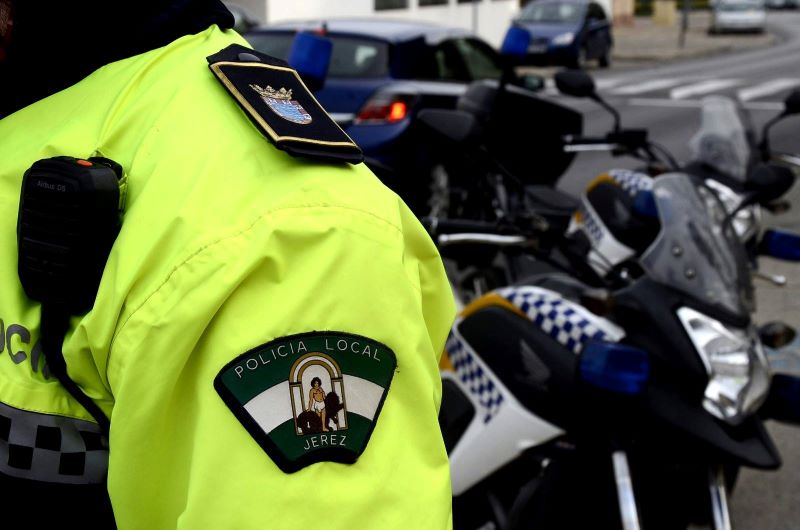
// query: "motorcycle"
[[627, 397], [636, 413]]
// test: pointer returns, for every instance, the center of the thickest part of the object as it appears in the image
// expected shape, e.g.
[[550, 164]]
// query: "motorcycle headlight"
[[564, 39], [738, 372]]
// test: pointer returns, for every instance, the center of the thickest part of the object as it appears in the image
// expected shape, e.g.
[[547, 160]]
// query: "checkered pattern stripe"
[[590, 224], [51, 448], [474, 376], [565, 321], [631, 181]]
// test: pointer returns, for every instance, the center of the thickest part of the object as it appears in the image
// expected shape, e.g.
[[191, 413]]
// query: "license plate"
[[537, 48]]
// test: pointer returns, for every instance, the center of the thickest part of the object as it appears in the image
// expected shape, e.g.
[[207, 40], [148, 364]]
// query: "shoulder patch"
[[280, 105], [309, 398]]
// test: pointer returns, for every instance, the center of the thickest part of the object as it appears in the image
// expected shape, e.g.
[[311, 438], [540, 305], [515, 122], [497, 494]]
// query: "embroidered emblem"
[[309, 398], [282, 104]]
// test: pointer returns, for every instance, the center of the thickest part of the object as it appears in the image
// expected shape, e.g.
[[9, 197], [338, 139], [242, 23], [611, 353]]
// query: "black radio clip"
[[70, 213]]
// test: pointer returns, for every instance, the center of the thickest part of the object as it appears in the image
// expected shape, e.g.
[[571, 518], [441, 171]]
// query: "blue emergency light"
[[614, 367], [781, 244], [310, 55], [516, 42]]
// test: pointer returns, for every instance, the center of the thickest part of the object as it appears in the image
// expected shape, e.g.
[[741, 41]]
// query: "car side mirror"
[[310, 55], [575, 83], [532, 82]]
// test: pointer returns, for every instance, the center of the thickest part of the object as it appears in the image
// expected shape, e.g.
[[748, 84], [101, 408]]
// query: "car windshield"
[[697, 251], [351, 56], [559, 13]]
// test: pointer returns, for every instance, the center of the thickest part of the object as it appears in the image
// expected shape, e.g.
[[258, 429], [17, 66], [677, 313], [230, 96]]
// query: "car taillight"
[[383, 109]]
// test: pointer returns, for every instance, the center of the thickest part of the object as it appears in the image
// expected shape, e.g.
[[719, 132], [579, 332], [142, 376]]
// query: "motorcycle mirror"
[[310, 55], [781, 244], [579, 84], [575, 83], [615, 367], [516, 42], [769, 182], [791, 104], [776, 334], [791, 107]]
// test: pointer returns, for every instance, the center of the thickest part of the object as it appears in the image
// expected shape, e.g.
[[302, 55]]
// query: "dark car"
[[383, 72], [567, 33], [242, 19]]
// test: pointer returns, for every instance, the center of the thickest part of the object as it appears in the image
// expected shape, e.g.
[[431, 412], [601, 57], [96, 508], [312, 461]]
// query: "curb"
[[697, 54]]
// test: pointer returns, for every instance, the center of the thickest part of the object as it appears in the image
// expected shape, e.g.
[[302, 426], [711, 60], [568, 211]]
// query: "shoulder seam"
[[222, 239]]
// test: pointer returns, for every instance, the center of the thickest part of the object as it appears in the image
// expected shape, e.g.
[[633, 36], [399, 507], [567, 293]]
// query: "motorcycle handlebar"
[[437, 226]]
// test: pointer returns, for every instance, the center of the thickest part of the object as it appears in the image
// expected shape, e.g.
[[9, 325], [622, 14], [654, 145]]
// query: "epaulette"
[[280, 105]]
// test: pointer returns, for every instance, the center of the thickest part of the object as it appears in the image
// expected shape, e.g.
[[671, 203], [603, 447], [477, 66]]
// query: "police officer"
[[266, 332]]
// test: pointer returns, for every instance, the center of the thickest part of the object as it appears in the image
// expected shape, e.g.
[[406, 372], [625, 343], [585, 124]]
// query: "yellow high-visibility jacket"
[[227, 244]]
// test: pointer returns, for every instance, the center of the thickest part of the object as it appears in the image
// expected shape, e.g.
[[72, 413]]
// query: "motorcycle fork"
[[625, 495], [719, 498]]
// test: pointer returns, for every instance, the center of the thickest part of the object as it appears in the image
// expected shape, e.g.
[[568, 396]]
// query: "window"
[[350, 56], [480, 59], [552, 12], [465, 60], [381, 5], [423, 3]]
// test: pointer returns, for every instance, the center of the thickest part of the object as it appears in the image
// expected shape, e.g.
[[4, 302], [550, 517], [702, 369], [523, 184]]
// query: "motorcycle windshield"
[[722, 141], [697, 251]]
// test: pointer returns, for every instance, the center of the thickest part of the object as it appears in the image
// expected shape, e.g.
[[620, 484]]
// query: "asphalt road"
[[665, 100]]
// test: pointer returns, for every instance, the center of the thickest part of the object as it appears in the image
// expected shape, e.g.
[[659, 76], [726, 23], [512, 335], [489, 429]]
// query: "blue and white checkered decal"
[[631, 181], [474, 376], [565, 321], [590, 225]]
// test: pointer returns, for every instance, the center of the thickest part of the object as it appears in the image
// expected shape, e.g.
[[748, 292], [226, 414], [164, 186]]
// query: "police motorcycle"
[[727, 156], [629, 404], [557, 388], [726, 152]]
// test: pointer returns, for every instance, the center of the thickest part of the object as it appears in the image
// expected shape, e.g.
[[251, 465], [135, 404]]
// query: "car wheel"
[[579, 62], [605, 60]]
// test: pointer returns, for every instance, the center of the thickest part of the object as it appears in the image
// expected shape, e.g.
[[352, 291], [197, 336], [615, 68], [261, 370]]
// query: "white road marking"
[[703, 87], [605, 84], [696, 103], [765, 89], [646, 86], [669, 103]]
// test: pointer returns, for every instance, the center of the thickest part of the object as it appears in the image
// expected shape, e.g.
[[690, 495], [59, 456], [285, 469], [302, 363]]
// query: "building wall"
[[492, 21], [488, 18]]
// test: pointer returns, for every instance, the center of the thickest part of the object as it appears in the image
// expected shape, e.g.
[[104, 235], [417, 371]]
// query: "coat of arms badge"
[[282, 104]]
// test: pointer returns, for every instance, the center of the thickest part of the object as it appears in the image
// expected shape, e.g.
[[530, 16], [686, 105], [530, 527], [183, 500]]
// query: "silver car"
[[738, 15]]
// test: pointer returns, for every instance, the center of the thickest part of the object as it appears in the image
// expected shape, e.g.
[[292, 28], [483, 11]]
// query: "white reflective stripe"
[[703, 87], [361, 397], [51, 448], [765, 89], [271, 407], [646, 86]]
